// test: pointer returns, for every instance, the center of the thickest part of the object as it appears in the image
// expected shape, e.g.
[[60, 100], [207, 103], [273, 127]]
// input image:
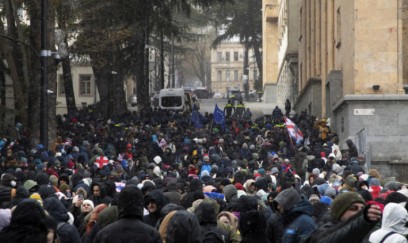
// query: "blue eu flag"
[[195, 119], [219, 117]]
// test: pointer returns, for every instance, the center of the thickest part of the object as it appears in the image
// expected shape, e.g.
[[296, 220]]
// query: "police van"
[[177, 99]]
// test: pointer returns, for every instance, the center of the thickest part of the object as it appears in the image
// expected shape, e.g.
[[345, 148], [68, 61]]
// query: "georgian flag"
[[101, 161], [293, 130]]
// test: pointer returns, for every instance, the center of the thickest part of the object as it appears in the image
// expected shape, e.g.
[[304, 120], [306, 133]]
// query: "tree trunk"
[[34, 91], [13, 55], [68, 86], [101, 73]]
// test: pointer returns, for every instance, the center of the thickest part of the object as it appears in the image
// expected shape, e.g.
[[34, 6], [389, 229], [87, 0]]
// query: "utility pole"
[[173, 70], [44, 78]]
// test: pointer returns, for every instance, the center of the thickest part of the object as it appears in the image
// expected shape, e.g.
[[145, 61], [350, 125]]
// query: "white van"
[[175, 99]]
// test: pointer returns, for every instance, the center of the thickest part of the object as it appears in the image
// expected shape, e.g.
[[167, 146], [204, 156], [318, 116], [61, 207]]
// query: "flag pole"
[[290, 137], [211, 124], [191, 119]]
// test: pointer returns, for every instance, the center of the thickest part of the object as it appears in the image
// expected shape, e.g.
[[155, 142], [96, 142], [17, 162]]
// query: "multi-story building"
[[227, 67], [351, 69]]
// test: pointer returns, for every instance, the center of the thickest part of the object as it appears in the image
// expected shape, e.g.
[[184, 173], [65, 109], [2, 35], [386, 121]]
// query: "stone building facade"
[[352, 69], [227, 67]]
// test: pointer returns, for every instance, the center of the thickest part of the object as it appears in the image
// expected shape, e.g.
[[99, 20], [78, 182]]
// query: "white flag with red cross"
[[293, 130]]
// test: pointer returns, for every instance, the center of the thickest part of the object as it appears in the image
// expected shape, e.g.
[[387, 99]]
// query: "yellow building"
[[351, 69]]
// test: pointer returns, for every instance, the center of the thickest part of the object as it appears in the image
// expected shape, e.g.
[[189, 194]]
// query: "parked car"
[[133, 100]]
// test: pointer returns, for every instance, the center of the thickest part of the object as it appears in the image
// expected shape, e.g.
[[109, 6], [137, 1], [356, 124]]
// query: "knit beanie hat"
[[374, 182], [316, 172], [391, 185], [274, 170], [351, 181], [89, 202], [63, 188], [314, 198], [330, 192], [326, 200], [343, 201]]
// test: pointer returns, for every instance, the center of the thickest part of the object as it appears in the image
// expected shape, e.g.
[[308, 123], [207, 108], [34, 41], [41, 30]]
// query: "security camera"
[[50, 91]]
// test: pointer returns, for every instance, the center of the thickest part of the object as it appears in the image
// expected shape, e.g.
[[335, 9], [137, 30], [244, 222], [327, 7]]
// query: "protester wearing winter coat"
[[351, 220], [252, 226], [180, 226], [195, 192], [206, 214], [129, 228], [393, 229], [296, 215], [172, 193], [154, 201], [65, 231], [27, 224], [231, 193], [99, 194]]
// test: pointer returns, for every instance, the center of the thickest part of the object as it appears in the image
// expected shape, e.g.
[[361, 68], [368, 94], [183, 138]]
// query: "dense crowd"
[[162, 176]]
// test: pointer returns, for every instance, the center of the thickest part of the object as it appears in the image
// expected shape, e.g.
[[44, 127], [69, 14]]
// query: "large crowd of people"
[[162, 176]]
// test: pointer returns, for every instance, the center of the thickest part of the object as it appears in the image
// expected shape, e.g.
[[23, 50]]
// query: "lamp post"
[[44, 80]]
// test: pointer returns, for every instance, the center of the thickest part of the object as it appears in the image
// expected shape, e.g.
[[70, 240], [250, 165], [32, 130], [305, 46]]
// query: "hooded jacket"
[[206, 214], [394, 219], [231, 193], [129, 228], [27, 224], [172, 193], [180, 226], [103, 198], [157, 196], [66, 232], [298, 222]]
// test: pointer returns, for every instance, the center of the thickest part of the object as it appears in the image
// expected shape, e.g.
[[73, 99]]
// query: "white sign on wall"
[[364, 112]]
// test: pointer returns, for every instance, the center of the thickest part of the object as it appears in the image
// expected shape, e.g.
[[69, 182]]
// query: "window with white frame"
[[219, 56], [85, 85], [235, 75], [236, 56], [219, 75], [227, 56], [228, 75]]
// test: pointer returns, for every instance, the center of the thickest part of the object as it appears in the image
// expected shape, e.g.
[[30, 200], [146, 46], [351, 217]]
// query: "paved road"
[[207, 105], [257, 108]]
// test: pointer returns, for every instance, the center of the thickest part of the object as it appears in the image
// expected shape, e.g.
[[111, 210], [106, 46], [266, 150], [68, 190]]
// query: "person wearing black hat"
[[130, 227]]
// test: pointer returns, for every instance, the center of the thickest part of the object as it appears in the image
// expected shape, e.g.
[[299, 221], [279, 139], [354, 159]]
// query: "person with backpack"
[[206, 214]]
